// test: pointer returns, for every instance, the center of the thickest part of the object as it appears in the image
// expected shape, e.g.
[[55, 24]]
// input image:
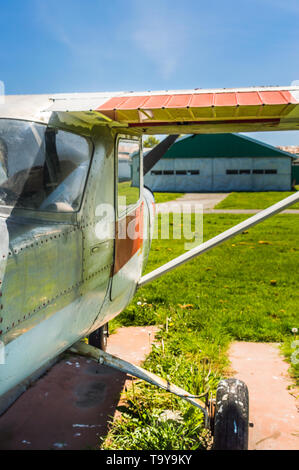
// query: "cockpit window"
[[128, 186], [42, 168]]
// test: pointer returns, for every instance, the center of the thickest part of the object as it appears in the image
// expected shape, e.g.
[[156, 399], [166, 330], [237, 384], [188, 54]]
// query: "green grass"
[[256, 200], [126, 190], [246, 289], [165, 197]]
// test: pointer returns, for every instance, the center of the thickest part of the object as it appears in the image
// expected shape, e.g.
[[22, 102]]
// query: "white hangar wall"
[[220, 174], [220, 163]]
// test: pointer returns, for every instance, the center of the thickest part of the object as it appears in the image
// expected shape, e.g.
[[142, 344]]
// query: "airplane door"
[[129, 217], [98, 225]]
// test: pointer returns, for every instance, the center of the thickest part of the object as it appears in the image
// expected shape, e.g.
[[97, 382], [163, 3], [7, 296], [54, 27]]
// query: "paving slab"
[[246, 211], [208, 200], [193, 201], [205, 202], [273, 407], [70, 406]]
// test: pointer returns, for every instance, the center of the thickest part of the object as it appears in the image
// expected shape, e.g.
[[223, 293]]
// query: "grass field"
[[165, 197], [246, 289], [260, 200]]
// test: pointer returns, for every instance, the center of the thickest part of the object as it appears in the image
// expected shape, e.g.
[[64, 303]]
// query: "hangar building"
[[220, 163]]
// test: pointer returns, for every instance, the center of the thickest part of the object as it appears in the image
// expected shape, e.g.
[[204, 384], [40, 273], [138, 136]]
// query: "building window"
[[254, 172], [177, 172]]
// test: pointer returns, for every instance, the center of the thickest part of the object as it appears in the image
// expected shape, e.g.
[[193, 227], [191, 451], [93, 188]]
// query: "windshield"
[[41, 168]]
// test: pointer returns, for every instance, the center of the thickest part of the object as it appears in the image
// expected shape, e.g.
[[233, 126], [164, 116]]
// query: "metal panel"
[[200, 105], [281, 164], [272, 182], [161, 182], [213, 176], [228, 183], [41, 270], [181, 183], [154, 182], [295, 174], [98, 252], [194, 183], [162, 112], [32, 349], [199, 99], [234, 182]]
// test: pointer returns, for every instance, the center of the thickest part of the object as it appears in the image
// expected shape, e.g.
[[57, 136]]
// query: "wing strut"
[[124, 366], [206, 246], [152, 157]]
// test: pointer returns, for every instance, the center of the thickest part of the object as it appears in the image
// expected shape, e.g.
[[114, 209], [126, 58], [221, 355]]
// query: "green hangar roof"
[[222, 145]]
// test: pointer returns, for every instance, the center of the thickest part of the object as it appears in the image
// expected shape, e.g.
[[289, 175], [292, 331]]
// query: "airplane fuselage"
[[75, 231], [65, 273]]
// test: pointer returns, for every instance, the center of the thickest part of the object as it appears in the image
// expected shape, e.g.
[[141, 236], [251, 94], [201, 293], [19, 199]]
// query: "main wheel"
[[231, 416], [99, 337]]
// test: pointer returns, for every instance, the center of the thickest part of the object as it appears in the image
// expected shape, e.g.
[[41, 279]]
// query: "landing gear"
[[227, 417], [99, 337], [231, 421]]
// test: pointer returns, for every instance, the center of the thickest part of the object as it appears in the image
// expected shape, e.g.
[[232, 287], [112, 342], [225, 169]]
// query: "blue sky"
[[49, 46]]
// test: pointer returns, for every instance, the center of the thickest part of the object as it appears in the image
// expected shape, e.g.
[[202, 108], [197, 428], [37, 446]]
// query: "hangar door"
[[193, 174], [232, 174], [251, 174]]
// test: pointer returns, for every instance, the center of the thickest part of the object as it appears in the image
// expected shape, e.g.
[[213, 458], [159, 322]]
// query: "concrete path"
[[272, 407], [196, 202], [70, 407], [207, 200], [245, 211]]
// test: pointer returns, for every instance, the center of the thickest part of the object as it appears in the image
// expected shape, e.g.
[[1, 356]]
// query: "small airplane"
[[67, 204]]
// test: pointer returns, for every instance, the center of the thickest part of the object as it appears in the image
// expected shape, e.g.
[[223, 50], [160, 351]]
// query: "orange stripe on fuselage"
[[126, 246]]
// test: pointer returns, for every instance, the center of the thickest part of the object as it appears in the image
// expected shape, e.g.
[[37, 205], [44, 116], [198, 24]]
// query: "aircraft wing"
[[170, 112], [207, 111]]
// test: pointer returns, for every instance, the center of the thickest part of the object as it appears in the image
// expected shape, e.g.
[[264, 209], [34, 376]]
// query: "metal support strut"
[[107, 359], [231, 232]]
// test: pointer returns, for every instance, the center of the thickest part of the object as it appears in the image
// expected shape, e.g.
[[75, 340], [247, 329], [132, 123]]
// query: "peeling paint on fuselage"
[[55, 287]]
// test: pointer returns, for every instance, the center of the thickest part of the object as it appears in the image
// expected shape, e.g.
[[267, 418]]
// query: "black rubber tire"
[[231, 416], [99, 337]]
